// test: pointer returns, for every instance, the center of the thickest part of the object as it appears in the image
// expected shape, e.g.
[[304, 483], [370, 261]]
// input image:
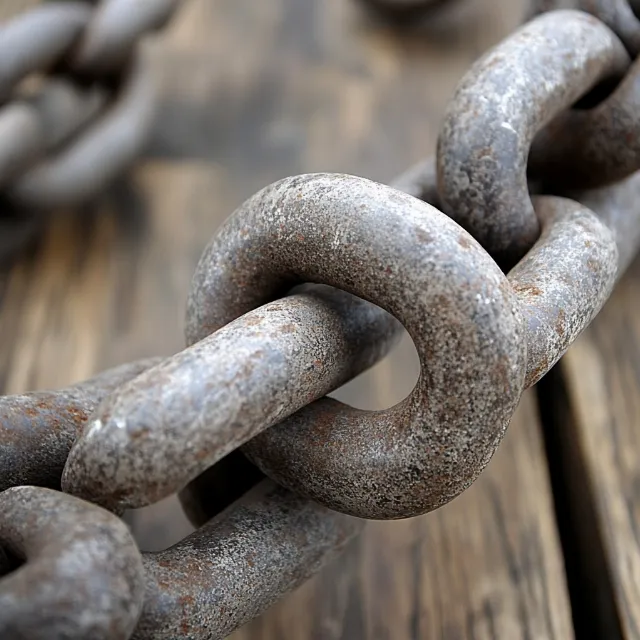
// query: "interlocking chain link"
[[494, 254], [87, 109]]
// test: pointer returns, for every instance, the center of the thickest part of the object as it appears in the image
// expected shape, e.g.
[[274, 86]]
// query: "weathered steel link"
[[38, 40], [237, 565], [79, 42], [38, 429], [221, 392], [619, 15], [32, 126], [218, 487], [372, 241], [592, 147], [82, 575], [501, 103], [575, 253], [274, 324], [617, 206]]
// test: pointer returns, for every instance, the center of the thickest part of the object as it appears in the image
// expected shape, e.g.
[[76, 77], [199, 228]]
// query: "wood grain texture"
[[252, 92], [601, 457]]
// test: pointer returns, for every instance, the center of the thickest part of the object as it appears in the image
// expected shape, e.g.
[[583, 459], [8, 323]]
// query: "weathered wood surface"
[[253, 92], [597, 412]]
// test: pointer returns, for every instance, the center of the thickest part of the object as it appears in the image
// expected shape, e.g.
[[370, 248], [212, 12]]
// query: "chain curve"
[[82, 576], [483, 147]]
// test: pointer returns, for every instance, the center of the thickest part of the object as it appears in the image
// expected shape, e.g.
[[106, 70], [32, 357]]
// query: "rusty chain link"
[[494, 255]]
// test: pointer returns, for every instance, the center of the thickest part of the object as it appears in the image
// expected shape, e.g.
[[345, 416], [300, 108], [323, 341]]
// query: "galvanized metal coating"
[[223, 575], [38, 429], [82, 575], [501, 103]]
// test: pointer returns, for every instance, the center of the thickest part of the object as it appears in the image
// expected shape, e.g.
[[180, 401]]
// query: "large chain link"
[[537, 175]]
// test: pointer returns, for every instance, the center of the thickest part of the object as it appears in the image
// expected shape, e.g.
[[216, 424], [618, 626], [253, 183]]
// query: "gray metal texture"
[[372, 241], [564, 280], [38, 429], [64, 146], [80, 575], [506, 97], [619, 15], [221, 392], [592, 147], [238, 564]]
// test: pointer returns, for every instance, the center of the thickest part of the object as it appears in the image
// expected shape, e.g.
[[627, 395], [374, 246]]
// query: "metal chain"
[[495, 254], [64, 139]]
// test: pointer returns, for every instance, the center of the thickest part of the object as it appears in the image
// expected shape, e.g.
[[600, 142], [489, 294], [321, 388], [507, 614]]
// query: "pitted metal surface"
[[81, 576], [372, 241], [221, 392], [499, 106], [223, 575], [576, 252], [274, 324], [617, 206], [38, 429]]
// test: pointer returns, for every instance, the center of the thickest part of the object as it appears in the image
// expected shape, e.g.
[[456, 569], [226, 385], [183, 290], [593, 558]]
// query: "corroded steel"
[[575, 253], [81, 576], [586, 148], [269, 335], [372, 241], [38, 429], [222, 391], [499, 106], [237, 565]]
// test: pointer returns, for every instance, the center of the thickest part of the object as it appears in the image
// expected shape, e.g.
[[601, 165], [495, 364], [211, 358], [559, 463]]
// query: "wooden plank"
[[253, 92], [597, 426]]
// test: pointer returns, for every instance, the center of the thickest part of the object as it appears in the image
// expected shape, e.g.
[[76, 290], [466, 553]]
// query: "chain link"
[[304, 287], [90, 111]]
